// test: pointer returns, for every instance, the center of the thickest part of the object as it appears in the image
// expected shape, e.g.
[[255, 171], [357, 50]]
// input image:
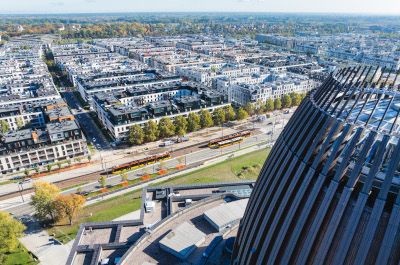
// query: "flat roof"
[[227, 213], [184, 239]]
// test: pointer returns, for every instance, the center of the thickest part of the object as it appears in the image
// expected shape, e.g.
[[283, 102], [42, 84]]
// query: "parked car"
[[182, 139], [166, 143], [27, 180]]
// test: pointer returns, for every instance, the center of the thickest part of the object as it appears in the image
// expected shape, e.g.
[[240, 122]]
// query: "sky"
[[94, 6]]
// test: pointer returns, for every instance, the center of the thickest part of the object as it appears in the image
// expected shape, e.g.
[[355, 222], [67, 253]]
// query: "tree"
[[181, 125], [43, 200], [49, 167], [37, 169], [166, 128], [4, 127], [20, 122], [150, 131], [124, 177], [286, 101], [230, 114], [269, 105], [69, 205], [10, 231], [89, 157], [206, 119], [249, 108], [296, 99], [193, 120], [103, 181], [277, 104], [241, 114], [219, 116], [26, 172], [136, 135]]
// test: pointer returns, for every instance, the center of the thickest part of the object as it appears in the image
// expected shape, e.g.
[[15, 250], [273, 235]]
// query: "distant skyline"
[[106, 6]]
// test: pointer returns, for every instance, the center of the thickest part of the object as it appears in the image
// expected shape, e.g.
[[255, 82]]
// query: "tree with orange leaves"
[[69, 205]]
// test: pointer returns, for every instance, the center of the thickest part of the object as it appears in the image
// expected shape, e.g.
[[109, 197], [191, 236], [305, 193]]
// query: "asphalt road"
[[269, 129], [202, 155], [93, 133]]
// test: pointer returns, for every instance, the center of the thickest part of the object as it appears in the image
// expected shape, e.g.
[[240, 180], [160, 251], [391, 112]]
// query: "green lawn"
[[20, 257], [106, 210], [8, 182], [246, 167]]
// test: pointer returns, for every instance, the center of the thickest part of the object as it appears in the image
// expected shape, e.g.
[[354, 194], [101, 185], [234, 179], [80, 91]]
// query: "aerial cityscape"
[[202, 133]]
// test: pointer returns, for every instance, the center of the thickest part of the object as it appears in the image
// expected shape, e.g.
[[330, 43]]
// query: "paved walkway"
[[38, 241]]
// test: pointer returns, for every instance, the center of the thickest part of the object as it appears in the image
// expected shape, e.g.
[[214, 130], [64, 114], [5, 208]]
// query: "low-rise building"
[[119, 111]]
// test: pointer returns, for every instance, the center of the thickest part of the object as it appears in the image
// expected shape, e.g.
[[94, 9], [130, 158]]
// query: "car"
[[94, 140], [104, 261], [83, 193], [27, 180], [166, 143], [80, 109]]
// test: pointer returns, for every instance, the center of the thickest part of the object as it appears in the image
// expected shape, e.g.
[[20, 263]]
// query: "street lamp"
[[21, 189]]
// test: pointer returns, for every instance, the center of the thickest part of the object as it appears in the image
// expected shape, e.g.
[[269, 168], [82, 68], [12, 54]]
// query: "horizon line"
[[209, 12]]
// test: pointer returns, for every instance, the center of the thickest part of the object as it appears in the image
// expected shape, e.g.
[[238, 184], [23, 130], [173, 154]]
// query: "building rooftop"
[[182, 240], [226, 214], [138, 241]]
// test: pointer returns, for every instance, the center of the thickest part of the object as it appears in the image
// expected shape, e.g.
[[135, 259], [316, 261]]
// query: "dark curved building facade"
[[329, 190]]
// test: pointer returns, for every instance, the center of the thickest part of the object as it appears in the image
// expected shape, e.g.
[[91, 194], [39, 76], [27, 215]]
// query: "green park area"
[[241, 168], [20, 256]]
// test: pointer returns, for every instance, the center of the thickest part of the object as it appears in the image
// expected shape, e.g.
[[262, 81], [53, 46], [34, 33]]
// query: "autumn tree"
[[296, 99], [150, 131], [206, 119], [136, 135], [241, 114], [277, 104], [102, 181], [124, 177], [20, 122], [166, 127], [69, 205], [219, 116], [230, 114], [286, 101], [269, 105], [193, 120], [43, 200], [249, 108], [181, 125], [10, 231], [4, 127]]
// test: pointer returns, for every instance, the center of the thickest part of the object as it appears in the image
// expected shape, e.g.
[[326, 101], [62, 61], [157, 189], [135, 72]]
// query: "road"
[[93, 133], [111, 158], [202, 155]]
